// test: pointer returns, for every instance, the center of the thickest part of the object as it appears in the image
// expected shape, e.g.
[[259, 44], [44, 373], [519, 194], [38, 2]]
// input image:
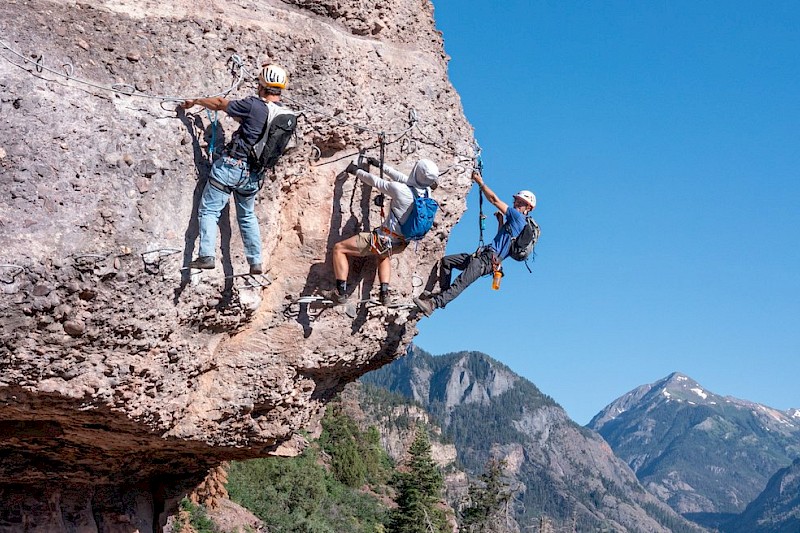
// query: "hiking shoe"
[[335, 297], [205, 262], [256, 269], [426, 306], [386, 298]]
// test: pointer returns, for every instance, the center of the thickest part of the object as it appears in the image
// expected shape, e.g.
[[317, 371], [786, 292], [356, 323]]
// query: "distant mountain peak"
[[681, 440], [680, 387]]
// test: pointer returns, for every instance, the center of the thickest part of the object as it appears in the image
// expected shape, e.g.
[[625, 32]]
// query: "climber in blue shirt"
[[511, 221]]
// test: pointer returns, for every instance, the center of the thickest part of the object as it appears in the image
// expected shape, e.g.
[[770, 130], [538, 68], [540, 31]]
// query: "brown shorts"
[[364, 243]]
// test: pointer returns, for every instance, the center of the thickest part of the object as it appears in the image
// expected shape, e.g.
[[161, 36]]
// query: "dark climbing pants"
[[472, 266]]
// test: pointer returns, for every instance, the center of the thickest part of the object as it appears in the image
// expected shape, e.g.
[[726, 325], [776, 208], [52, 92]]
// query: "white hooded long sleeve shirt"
[[397, 188]]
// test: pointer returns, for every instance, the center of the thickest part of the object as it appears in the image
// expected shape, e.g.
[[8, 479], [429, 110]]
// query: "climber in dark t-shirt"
[[231, 173]]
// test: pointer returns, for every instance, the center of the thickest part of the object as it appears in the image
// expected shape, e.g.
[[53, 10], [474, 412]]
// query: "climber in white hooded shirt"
[[388, 238]]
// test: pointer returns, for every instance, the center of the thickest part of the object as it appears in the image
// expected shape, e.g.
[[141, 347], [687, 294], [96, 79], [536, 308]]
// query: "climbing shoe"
[[386, 298], [335, 297], [256, 269], [426, 295], [205, 262], [426, 306]]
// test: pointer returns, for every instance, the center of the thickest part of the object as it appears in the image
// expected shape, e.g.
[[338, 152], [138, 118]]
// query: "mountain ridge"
[[680, 387], [566, 472], [701, 452]]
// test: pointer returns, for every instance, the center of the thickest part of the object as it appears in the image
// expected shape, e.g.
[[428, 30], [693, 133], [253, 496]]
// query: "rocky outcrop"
[[124, 376]]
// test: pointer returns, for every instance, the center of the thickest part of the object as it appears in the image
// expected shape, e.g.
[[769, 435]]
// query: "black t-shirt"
[[253, 114]]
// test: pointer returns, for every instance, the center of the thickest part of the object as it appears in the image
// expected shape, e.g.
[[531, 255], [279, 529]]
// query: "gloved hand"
[[374, 161], [351, 168]]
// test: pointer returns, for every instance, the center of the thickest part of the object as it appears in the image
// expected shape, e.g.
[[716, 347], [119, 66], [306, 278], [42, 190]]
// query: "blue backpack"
[[420, 220]]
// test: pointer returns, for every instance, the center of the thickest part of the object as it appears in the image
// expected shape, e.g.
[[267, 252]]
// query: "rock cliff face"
[[124, 376]]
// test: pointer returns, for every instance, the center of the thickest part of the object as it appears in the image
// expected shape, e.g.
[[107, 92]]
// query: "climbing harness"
[[481, 217], [212, 142], [380, 244], [380, 200]]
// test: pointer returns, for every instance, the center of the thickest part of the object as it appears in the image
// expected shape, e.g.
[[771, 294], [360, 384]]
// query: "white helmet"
[[273, 76], [528, 197]]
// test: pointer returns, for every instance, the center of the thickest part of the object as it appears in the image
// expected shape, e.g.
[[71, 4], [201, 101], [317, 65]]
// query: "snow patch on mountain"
[[700, 392]]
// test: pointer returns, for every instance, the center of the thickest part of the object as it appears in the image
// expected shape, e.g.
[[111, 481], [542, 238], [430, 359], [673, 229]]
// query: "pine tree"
[[487, 500], [418, 492], [340, 440]]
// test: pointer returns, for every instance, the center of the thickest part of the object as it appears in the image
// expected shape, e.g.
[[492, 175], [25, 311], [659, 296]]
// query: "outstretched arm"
[[391, 172], [490, 195], [385, 186], [215, 103]]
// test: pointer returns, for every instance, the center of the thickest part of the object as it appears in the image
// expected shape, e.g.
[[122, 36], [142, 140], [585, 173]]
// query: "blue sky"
[[662, 140]]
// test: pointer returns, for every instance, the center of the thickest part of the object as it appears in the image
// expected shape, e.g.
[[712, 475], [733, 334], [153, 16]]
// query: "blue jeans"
[[244, 185]]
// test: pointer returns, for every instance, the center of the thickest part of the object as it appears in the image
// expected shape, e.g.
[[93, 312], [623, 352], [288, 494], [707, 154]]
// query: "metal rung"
[[162, 252], [313, 300], [16, 270], [253, 280], [94, 257]]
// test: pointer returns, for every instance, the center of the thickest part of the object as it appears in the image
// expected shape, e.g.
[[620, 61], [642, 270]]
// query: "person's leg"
[[341, 266], [212, 202], [448, 263], [475, 267], [385, 262], [341, 251], [384, 269], [248, 226]]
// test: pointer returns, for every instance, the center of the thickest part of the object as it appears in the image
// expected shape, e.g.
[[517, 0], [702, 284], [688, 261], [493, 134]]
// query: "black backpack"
[[522, 245], [278, 130]]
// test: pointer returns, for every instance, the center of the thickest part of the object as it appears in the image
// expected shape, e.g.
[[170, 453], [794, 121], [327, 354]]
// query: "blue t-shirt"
[[252, 112], [513, 226]]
